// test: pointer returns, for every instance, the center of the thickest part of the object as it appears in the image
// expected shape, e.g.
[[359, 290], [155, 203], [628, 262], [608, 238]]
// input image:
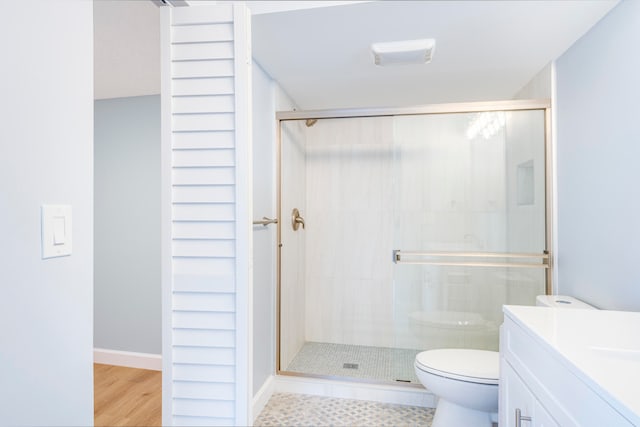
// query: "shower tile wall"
[[292, 306], [349, 233], [365, 198], [430, 189]]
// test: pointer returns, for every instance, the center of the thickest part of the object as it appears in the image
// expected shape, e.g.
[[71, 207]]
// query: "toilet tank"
[[562, 301]]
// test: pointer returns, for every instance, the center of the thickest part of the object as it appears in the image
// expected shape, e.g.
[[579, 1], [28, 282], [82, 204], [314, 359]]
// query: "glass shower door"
[[418, 228], [469, 227]]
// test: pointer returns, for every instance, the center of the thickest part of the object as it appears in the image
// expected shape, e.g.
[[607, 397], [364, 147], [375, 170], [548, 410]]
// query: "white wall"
[[539, 87], [597, 155], [292, 286], [268, 97], [127, 48], [264, 238], [127, 311], [46, 308]]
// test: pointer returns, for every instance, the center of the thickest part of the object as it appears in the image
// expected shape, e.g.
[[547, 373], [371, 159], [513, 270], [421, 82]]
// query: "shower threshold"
[[379, 364]]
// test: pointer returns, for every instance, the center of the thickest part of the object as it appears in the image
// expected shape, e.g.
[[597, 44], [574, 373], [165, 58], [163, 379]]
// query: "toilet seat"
[[476, 366]]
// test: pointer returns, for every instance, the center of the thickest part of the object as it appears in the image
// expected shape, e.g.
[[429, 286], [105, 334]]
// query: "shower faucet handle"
[[296, 219]]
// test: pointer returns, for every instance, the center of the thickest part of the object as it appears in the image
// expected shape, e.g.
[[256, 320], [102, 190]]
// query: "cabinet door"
[[514, 396], [541, 418]]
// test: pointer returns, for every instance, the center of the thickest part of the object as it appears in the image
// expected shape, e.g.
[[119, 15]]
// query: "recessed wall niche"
[[525, 186]]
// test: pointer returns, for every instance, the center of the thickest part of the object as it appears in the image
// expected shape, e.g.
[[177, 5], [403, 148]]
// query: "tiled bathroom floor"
[[375, 363], [285, 409]]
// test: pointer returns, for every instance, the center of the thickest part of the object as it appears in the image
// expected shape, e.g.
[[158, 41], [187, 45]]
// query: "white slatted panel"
[[192, 52], [203, 68], [204, 104], [217, 374], [203, 321], [208, 157], [201, 72], [193, 140], [204, 176], [217, 211], [188, 390], [203, 86]]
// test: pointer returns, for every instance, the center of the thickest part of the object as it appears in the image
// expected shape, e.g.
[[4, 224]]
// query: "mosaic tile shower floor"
[[374, 363], [285, 409]]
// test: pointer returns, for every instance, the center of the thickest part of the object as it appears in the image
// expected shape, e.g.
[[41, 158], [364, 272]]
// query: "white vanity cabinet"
[[565, 368], [519, 407]]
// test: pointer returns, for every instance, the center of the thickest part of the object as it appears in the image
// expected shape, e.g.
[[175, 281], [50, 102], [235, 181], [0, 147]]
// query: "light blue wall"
[[127, 309], [598, 156]]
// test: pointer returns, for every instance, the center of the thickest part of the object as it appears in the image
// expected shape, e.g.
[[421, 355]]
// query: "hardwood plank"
[[127, 396]]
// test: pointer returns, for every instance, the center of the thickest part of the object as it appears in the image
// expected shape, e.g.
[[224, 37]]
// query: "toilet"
[[466, 381]]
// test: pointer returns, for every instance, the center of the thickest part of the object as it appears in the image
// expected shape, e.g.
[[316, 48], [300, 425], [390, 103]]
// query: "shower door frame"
[[431, 109]]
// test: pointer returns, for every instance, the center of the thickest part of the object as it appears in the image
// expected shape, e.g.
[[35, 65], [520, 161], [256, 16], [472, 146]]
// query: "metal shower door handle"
[[296, 219]]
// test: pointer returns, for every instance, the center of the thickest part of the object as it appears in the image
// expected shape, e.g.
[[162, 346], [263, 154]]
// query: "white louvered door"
[[206, 63]]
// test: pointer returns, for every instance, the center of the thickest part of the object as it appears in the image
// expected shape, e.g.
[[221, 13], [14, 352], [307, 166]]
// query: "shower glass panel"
[[418, 228], [466, 184]]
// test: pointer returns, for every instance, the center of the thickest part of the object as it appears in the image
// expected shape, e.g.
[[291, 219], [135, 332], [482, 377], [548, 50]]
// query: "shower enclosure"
[[405, 230]]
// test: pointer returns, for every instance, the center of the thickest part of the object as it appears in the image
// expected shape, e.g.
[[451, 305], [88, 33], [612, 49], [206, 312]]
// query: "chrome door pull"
[[520, 418], [296, 219]]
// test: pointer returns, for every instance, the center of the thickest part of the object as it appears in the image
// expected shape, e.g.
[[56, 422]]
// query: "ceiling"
[[127, 42], [485, 50], [126, 48]]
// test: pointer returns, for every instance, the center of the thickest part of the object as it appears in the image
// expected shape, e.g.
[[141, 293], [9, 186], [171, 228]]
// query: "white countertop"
[[601, 347]]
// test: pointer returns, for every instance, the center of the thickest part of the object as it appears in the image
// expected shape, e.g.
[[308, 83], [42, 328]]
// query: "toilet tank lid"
[[481, 366], [562, 301]]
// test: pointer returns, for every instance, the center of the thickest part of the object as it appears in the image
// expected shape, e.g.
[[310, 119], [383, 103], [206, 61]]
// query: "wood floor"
[[127, 396]]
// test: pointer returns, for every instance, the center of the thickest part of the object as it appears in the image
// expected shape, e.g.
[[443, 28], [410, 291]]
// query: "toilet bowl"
[[466, 382]]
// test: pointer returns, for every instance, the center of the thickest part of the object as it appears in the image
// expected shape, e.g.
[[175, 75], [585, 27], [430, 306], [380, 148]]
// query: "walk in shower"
[[406, 230]]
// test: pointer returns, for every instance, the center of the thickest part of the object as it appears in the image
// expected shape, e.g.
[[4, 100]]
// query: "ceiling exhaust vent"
[[403, 52]]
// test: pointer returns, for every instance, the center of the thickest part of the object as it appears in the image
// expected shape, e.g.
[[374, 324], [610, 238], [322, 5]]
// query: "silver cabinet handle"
[[520, 418], [296, 219]]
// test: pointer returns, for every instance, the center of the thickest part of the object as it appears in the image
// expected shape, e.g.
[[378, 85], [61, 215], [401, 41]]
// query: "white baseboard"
[[128, 358], [400, 395], [262, 396]]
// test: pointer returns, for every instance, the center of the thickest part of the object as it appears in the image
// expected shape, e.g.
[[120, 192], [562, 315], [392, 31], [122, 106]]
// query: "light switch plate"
[[56, 231]]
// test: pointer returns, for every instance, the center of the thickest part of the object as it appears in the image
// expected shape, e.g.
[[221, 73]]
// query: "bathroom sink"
[[617, 353], [600, 347], [601, 331], [608, 337]]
